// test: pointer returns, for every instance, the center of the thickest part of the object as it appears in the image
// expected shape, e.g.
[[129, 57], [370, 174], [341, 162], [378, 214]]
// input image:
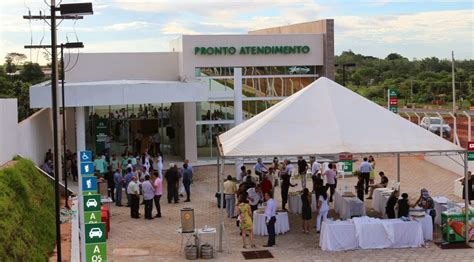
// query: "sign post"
[[392, 103], [94, 230], [346, 159]]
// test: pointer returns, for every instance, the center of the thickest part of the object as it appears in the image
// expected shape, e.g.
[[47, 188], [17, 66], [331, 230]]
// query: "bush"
[[27, 220]]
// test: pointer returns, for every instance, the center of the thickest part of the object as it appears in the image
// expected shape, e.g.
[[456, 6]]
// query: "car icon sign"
[[95, 232], [91, 202]]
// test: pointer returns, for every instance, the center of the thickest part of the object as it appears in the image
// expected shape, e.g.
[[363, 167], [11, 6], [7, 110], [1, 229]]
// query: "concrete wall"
[[35, 136], [8, 129], [118, 66], [325, 27]]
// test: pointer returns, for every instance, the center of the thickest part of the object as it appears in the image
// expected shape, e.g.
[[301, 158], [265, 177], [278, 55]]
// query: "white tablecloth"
[[369, 233], [260, 227], [440, 203], [348, 207], [295, 205], [379, 200]]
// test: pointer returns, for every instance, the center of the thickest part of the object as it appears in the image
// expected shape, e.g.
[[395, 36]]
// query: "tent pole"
[[218, 172], [221, 211], [466, 198], [398, 168]]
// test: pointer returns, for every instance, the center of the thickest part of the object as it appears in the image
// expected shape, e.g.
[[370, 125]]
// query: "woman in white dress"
[[159, 165], [322, 208]]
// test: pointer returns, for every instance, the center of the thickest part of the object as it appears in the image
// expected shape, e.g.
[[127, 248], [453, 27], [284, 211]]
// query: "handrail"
[[49, 176]]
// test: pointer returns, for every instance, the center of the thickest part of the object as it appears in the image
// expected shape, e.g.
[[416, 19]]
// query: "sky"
[[414, 29]]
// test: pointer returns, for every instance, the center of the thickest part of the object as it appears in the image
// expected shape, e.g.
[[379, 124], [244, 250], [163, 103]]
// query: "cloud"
[[135, 25], [423, 27]]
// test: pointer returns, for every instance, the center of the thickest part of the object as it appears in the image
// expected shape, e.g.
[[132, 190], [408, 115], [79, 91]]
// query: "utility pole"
[[70, 11], [453, 82]]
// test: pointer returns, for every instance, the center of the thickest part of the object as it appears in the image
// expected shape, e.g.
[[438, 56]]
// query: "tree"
[[394, 56], [12, 61], [32, 73]]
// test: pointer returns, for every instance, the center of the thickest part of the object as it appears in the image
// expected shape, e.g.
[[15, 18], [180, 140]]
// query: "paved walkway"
[[157, 240]]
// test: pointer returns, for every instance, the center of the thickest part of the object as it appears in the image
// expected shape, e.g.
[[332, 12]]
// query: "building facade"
[[187, 96]]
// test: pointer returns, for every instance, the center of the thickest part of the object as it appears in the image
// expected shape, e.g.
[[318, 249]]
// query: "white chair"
[[396, 186]]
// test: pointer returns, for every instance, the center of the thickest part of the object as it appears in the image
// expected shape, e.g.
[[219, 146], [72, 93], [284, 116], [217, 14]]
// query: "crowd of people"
[[251, 190]]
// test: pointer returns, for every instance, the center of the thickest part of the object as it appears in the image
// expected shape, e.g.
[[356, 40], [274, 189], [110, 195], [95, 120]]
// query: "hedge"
[[27, 220]]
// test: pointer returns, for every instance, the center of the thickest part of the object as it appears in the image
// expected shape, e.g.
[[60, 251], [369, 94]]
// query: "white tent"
[[326, 118]]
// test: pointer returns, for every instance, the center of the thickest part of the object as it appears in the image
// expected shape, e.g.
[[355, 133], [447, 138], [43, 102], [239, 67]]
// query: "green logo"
[[392, 93], [92, 217], [347, 166], [91, 203], [96, 252], [95, 233], [470, 156]]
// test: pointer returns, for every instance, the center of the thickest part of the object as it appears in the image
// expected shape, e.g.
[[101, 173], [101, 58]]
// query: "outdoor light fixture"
[[76, 9]]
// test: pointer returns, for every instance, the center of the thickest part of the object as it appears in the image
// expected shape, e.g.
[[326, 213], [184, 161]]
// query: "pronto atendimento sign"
[[252, 50]]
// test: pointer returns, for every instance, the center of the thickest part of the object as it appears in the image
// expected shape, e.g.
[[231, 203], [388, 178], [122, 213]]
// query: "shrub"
[[27, 220]]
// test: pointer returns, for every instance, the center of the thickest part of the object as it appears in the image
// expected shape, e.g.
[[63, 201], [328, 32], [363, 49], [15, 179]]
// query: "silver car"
[[435, 125]]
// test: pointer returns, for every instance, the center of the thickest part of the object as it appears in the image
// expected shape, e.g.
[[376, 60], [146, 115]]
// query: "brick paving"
[[157, 240]]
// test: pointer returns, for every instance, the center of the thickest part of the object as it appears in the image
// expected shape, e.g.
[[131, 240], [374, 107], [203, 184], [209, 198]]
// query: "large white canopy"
[[326, 118]]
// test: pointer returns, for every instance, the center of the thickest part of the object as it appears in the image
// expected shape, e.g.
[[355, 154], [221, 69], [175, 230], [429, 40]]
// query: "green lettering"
[[291, 49], [268, 50], [202, 50], [232, 50], [278, 49], [196, 50], [247, 49], [260, 50], [242, 51], [254, 50], [305, 49], [218, 50], [224, 49], [210, 51], [285, 49], [298, 49]]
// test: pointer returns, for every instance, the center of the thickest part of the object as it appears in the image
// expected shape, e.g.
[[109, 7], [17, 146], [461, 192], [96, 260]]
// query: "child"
[[403, 206], [360, 188]]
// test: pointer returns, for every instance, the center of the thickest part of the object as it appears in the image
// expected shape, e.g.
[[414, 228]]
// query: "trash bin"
[[218, 196]]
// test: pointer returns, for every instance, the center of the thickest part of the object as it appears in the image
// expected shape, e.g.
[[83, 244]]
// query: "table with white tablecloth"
[[348, 207], [260, 227], [380, 199], [370, 233], [295, 205]]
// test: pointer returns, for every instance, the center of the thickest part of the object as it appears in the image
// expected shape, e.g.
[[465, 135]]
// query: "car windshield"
[[435, 121]]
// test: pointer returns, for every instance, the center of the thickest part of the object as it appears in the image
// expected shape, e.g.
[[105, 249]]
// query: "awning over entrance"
[[120, 92]]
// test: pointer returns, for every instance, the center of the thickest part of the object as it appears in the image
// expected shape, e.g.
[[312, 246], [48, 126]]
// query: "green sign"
[[392, 93], [252, 50], [96, 252], [394, 109], [92, 217], [470, 156], [91, 202], [347, 166], [95, 233]]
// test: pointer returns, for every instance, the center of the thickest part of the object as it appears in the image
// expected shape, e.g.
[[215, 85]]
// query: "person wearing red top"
[[266, 185]]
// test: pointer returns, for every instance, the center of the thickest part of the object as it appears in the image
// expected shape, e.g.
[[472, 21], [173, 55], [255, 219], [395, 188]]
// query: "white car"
[[435, 124], [95, 232], [91, 203], [298, 70]]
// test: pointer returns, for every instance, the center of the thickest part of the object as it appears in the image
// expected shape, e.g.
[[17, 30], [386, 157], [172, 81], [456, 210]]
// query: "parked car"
[[434, 124], [299, 70], [95, 232]]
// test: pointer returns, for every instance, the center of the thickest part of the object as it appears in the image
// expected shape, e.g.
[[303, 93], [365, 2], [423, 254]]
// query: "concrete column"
[[81, 145], [238, 112], [190, 138]]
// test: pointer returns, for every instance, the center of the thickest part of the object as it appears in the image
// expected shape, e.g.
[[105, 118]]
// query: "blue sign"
[[89, 183], [87, 168], [85, 156]]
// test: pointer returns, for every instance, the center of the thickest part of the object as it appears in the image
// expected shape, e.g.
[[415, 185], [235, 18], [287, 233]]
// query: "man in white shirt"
[[364, 169], [331, 175], [315, 168], [134, 192], [289, 167], [254, 195], [270, 219]]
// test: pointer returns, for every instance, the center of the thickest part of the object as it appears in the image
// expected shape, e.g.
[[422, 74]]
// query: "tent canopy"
[[326, 118]]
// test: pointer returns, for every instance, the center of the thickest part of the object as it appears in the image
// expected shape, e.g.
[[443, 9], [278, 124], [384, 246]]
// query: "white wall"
[[117, 66], [8, 129], [35, 136]]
